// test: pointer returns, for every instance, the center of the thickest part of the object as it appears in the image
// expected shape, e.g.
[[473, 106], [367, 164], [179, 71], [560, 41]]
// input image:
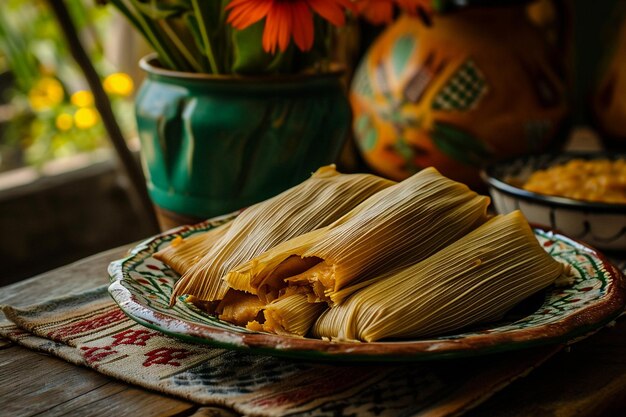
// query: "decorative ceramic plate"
[[142, 285]]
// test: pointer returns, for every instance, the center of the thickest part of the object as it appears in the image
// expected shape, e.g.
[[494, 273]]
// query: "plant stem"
[[180, 45], [130, 16], [205, 37], [17, 56], [226, 42], [141, 23]]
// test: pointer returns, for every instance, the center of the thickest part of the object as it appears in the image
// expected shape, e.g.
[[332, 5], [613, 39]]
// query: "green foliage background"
[[32, 48]]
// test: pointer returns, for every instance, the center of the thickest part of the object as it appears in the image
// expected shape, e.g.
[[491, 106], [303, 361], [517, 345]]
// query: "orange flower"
[[285, 19], [416, 7], [378, 12]]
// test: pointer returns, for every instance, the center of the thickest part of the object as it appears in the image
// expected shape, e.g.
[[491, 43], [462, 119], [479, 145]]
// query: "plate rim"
[[576, 326]]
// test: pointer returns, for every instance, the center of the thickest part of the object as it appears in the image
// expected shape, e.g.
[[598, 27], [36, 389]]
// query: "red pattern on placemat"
[[96, 354], [95, 323], [166, 356], [133, 337], [112, 344], [17, 333]]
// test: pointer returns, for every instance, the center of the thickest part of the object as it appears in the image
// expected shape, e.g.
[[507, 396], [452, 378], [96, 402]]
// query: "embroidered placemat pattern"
[[89, 329]]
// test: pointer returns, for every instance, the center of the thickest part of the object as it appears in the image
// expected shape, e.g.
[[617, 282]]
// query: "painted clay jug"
[[606, 67], [475, 86]]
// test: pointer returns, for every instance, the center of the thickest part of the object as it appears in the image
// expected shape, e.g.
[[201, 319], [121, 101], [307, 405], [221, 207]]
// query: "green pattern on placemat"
[[88, 329], [463, 90]]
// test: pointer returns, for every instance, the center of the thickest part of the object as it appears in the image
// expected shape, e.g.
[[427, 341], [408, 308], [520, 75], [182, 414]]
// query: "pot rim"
[[149, 64]]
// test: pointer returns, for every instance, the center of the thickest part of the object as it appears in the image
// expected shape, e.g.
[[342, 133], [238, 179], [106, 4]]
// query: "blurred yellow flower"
[[82, 98], [64, 121], [46, 93], [85, 118], [118, 83]]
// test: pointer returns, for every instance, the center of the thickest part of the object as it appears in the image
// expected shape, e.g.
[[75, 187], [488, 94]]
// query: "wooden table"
[[587, 380]]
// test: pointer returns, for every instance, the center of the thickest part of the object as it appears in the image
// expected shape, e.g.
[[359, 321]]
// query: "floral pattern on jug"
[[477, 85]]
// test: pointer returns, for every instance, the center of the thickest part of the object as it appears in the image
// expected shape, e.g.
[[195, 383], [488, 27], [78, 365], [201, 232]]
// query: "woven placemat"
[[89, 329]]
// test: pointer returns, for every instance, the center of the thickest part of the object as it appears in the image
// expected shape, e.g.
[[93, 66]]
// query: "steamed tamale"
[[239, 307], [183, 253], [395, 227], [291, 314], [315, 203], [476, 279]]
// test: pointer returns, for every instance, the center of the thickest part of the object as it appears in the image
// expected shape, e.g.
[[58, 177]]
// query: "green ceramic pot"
[[214, 144]]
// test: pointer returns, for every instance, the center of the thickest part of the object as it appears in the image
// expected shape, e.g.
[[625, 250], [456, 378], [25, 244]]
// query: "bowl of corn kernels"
[[580, 194]]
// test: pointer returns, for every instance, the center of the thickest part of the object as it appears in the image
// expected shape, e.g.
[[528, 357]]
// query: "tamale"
[[476, 279], [399, 226], [239, 307], [315, 203], [183, 253], [290, 315]]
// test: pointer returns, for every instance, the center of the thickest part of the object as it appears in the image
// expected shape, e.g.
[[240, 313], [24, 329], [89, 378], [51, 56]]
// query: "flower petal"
[[284, 23], [331, 10], [303, 31], [270, 32], [414, 6], [247, 12], [236, 3], [376, 12]]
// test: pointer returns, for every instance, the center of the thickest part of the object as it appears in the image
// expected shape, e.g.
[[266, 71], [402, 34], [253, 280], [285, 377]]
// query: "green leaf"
[[319, 55], [202, 10], [192, 23], [163, 9], [149, 28], [249, 56], [183, 41], [22, 61], [459, 145]]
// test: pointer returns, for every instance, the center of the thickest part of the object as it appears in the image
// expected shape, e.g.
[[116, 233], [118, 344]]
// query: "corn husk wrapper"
[[396, 227], [315, 203], [476, 279], [183, 253]]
